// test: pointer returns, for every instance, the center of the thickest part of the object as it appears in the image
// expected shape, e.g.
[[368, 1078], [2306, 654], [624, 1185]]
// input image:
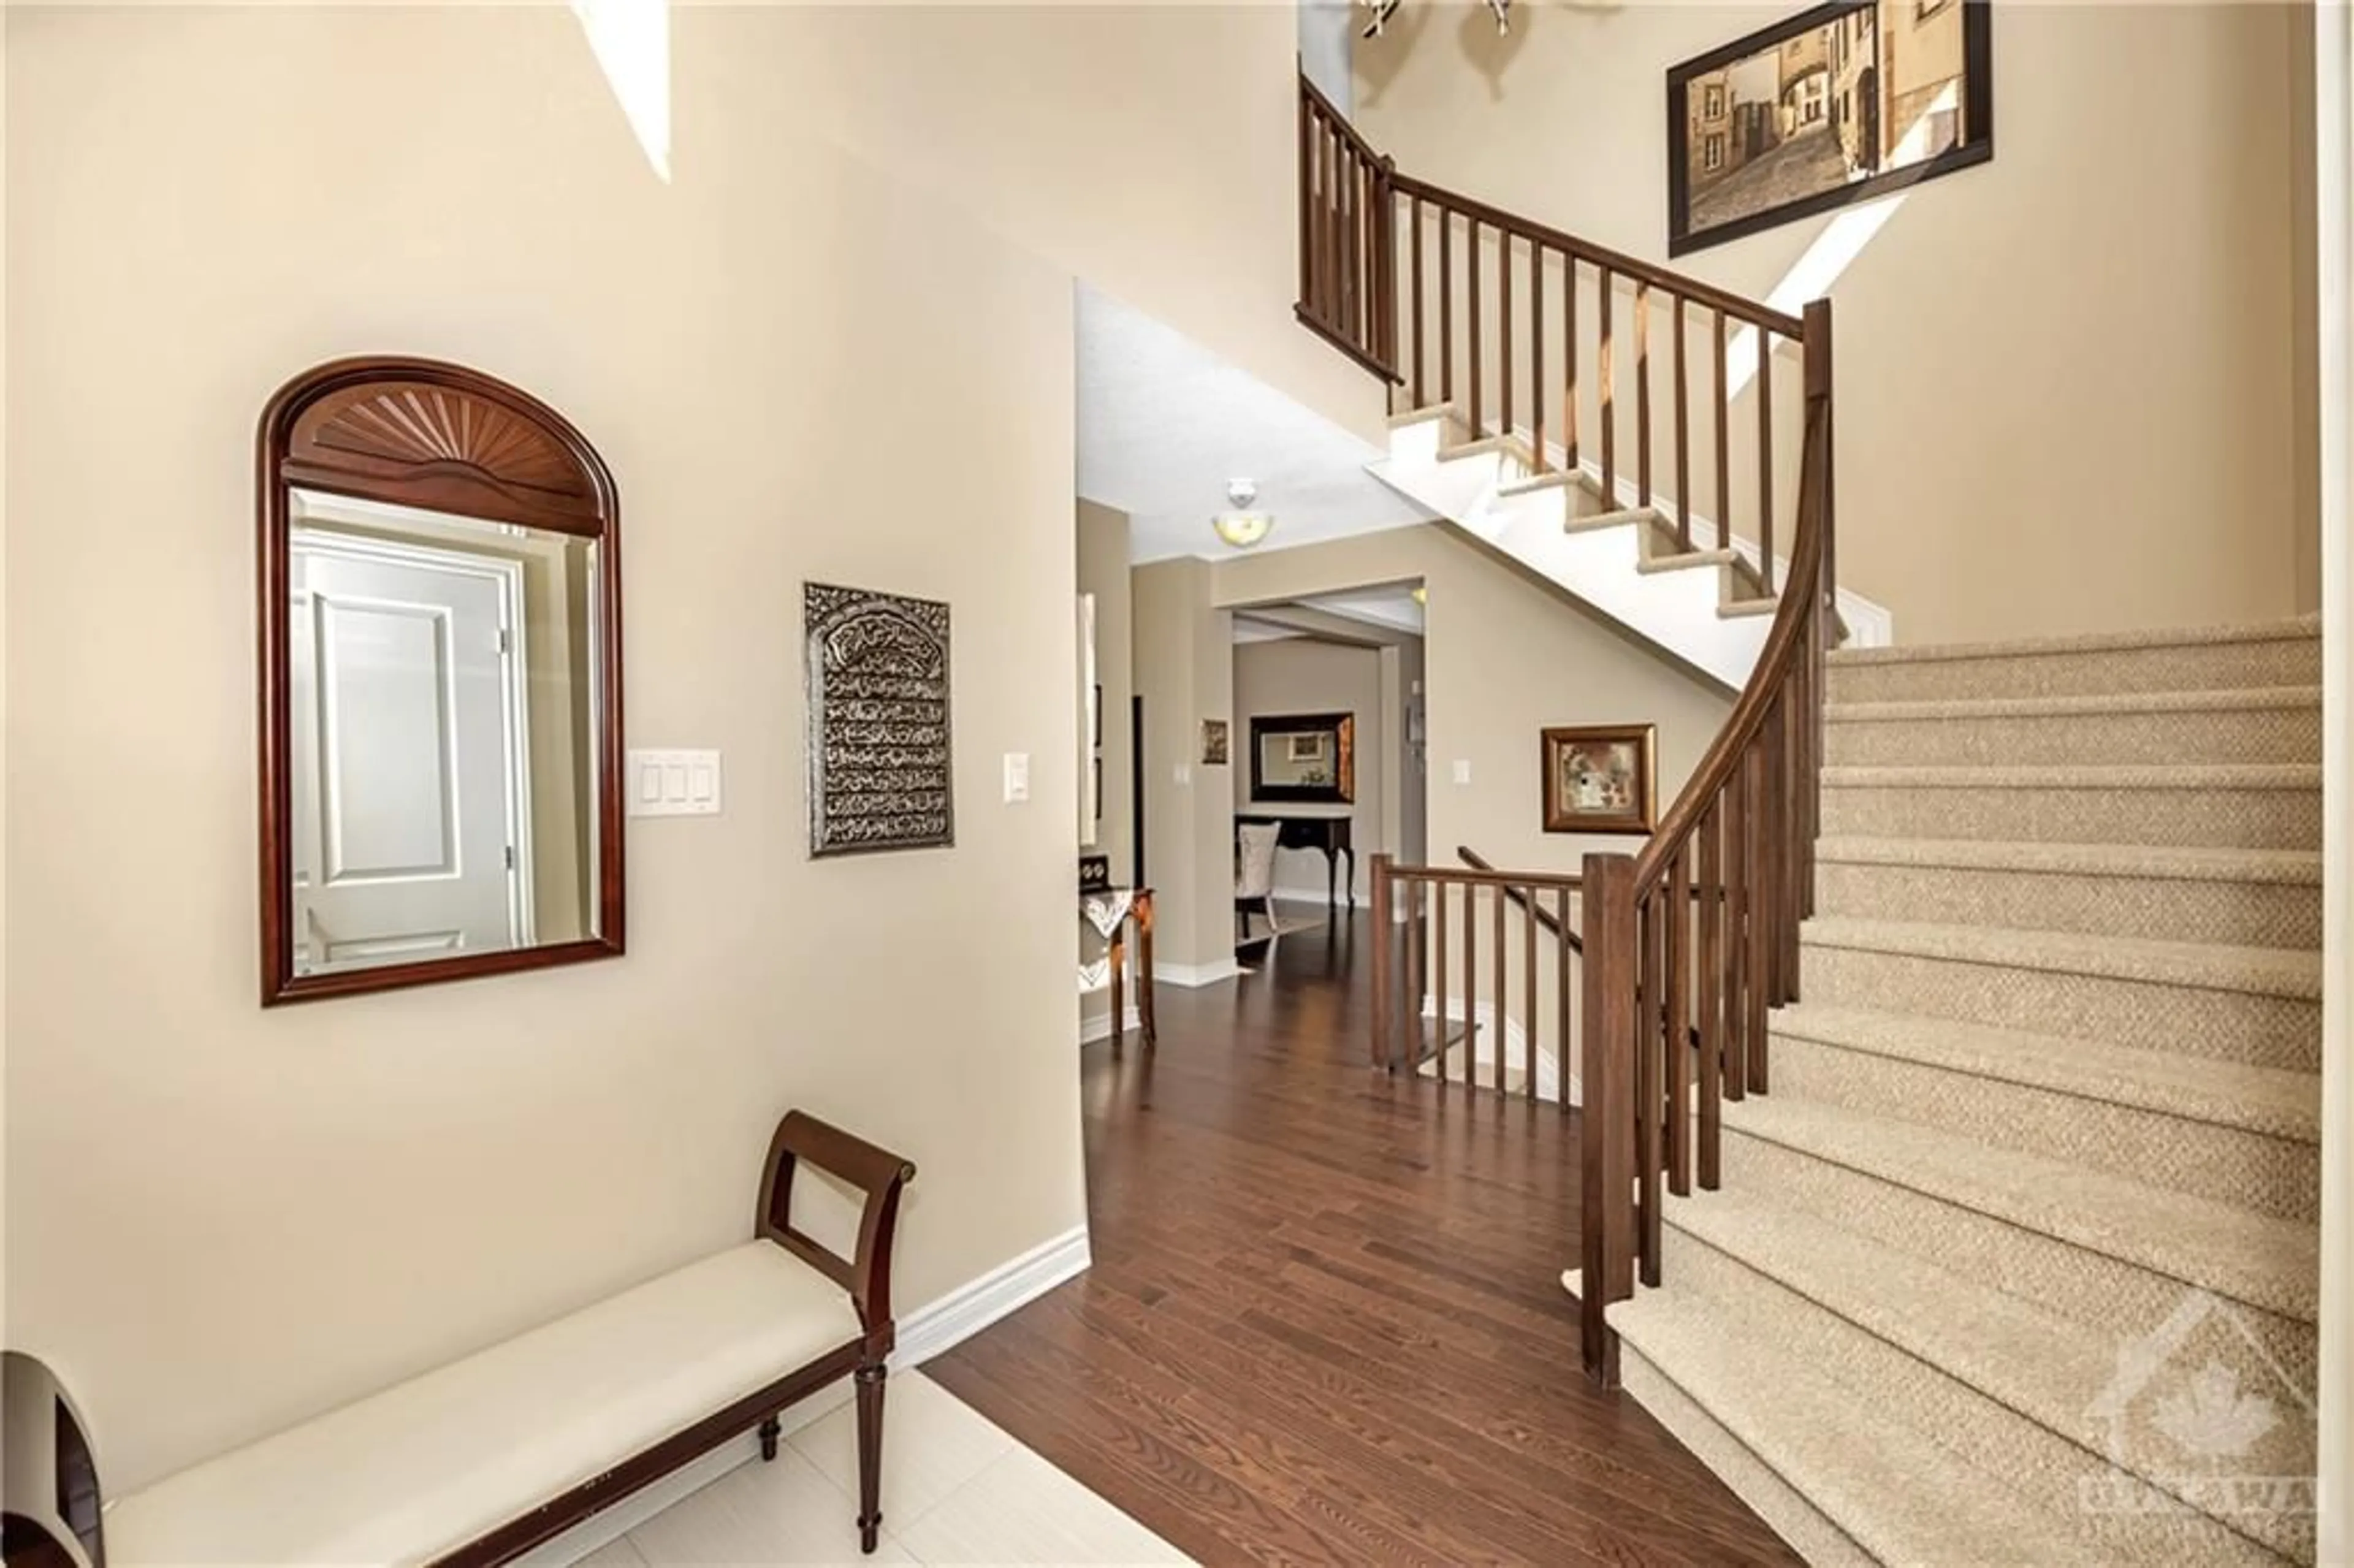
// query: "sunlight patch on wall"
[[632, 41], [1834, 249]]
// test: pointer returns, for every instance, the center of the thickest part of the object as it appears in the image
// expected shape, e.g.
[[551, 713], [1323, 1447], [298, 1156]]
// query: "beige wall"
[[1504, 657], [2069, 383], [1147, 148], [221, 1219], [1185, 672], [1306, 675]]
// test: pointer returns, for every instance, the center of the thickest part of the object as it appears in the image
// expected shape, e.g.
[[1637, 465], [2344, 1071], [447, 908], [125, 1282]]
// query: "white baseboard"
[[1194, 976], [923, 1334], [1097, 1026], [974, 1306]]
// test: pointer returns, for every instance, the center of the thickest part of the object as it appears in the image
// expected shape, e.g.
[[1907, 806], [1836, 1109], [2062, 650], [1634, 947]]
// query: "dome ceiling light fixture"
[[1241, 526], [1383, 10]]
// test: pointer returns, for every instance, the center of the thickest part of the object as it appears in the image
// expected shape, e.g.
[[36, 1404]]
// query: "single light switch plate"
[[1017, 777], [673, 783], [1185, 776], [1463, 770]]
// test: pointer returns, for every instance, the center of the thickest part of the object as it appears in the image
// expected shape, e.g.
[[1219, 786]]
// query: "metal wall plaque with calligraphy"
[[881, 766]]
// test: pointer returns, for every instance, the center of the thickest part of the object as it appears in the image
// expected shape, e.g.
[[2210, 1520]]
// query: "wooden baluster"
[[1650, 1092], [1385, 940], [1643, 390], [1536, 383], [1737, 944], [1471, 988], [1351, 251], [1417, 957], [1569, 358], [1504, 326], [1414, 272], [1529, 1024], [1792, 855], [1330, 214], [1606, 1153], [1711, 993], [1499, 1038], [1679, 1027], [1382, 297], [1445, 306], [1765, 458], [1307, 202], [1723, 442], [1566, 1047], [1756, 964], [1683, 443], [1609, 409], [1471, 326], [1438, 886]]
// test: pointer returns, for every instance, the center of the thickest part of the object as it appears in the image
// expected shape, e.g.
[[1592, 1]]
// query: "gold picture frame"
[[1601, 778]]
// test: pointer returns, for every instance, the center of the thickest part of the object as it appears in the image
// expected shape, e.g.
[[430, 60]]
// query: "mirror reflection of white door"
[[408, 756]]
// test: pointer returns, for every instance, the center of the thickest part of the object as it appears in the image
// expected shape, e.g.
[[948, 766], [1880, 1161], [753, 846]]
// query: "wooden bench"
[[480, 1460]]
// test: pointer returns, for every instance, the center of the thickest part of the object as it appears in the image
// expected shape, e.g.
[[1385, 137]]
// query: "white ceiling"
[[1164, 424]]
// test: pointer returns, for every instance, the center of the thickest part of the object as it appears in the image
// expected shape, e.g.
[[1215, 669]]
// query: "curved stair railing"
[[1689, 942]]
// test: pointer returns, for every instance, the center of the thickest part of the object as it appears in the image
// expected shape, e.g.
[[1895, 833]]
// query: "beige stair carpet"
[[2017, 1262]]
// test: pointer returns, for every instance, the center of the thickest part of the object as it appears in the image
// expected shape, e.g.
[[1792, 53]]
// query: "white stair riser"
[[1822, 1543], [2238, 914], [2093, 1288], [2047, 1467], [2267, 1030], [2246, 819], [2187, 667], [2230, 1165], [2209, 735]]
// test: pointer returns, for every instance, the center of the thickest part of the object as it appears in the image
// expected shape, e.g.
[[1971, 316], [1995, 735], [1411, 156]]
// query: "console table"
[[1329, 834], [1111, 912]]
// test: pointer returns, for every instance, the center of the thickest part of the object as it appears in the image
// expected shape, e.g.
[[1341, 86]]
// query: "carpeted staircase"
[[2017, 1261]]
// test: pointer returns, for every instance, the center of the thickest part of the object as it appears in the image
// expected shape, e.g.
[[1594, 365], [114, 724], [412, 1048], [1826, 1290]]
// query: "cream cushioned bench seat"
[[480, 1460], [413, 1473]]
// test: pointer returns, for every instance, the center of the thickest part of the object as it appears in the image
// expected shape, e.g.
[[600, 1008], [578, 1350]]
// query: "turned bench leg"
[[770, 1430], [870, 1454]]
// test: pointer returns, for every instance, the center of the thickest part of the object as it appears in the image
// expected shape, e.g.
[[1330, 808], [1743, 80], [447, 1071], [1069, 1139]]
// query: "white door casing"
[[411, 838]]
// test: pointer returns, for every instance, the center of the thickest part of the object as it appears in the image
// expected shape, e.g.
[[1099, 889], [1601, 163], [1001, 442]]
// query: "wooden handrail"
[[1617, 263], [1487, 877]]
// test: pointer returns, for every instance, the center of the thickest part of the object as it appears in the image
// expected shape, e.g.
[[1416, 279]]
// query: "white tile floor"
[[956, 1488]]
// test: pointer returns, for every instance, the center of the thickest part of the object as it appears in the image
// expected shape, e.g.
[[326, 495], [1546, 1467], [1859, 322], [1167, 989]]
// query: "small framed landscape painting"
[[1847, 101], [1599, 779]]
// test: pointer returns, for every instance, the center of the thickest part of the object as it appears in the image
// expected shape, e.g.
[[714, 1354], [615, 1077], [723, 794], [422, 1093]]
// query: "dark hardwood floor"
[[1325, 1321]]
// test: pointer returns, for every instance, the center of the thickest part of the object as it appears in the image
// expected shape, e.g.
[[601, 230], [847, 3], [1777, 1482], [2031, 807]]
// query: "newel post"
[[1385, 940], [1607, 1123]]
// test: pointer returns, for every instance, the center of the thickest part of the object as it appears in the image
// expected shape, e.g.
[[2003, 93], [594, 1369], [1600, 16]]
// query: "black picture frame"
[[1338, 733], [1975, 145]]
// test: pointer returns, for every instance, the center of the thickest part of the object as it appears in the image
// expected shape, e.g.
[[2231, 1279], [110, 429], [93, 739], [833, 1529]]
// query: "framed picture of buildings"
[[1847, 101]]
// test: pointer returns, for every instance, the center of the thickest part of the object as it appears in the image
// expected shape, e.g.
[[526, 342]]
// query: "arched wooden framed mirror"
[[440, 683]]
